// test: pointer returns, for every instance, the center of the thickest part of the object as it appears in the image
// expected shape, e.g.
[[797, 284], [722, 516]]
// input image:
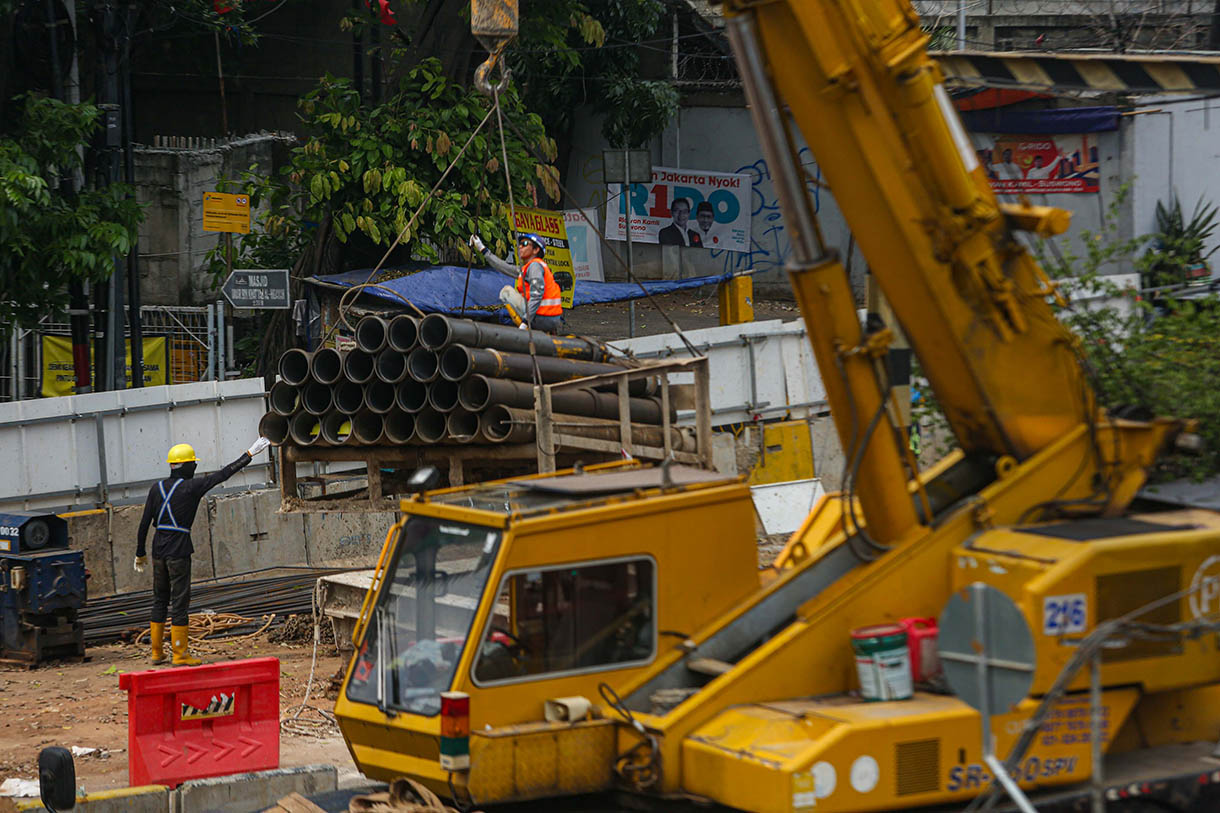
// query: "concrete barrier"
[[143, 799], [249, 792], [247, 533]]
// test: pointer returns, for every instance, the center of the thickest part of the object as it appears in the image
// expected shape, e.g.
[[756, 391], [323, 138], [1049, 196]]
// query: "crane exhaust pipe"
[[403, 333], [359, 366], [463, 426], [399, 427], [391, 366], [294, 366], [379, 397], [283, 398], [274, 427], [412, 396], [438, 331], [371, 334], [326, 366]]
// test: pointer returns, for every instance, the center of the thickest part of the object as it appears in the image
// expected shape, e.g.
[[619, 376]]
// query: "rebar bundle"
[[436, 380]]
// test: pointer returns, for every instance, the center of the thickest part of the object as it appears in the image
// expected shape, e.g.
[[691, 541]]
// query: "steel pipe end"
[[435, 331], [304, 428], [391, 366], [326, 365], [283, 398], [463, 426], [474, 393], [348, 397], [316, 398], [456, 363], [294, 366], [399, 426], [336, 428], [495, 423], [359, 366], [430, 426], [367, 427], [403, 333], [423, 365], [379, 396], [443, 395], [371, 334], [411, 396], [274, 427]]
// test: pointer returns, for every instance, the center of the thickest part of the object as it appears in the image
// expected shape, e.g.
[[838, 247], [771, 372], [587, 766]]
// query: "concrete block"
[[724, 452], [89, 531], [248, 533], [346, 539], [248, 792], [124, 524], [142, 799], [827, 453]]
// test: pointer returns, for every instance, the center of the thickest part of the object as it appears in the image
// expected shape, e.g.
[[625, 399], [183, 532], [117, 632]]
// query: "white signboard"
[[683, 207], [582, 242]]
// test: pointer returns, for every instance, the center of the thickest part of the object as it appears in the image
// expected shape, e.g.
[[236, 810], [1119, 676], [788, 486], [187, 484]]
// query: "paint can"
[[922, 635], [883, 662]]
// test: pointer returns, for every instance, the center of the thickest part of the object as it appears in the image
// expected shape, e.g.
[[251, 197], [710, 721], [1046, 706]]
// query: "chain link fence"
[[31, 359]]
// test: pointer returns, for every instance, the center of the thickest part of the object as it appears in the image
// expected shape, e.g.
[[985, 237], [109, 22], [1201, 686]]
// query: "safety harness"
[[172, 525]]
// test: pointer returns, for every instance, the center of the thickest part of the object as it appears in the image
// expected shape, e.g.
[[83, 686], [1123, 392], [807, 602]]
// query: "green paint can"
[[883, 662]]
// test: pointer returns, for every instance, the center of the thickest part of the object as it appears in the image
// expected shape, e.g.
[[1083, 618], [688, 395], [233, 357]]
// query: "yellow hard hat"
[[182, 453]]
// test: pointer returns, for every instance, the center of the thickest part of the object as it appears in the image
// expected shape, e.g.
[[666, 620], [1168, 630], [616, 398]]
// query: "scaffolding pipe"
[[283, 398], [348, 397], [316, 398], [430, 426], [424, 365], [403, 333], [367, 427], [326, 366], [293, 366], [437, 331], [443, 395], [358, 366], [479, 392], [501, 424], [379, 396], [391, 366], [371, 334], [399, 426], [412, 396], [459, 362], [463, 426], [274, 427], [336, 428], [303, 429]]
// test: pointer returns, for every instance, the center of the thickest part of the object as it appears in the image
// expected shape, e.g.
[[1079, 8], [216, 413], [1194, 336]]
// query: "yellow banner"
[[59, 377], [550, 227]]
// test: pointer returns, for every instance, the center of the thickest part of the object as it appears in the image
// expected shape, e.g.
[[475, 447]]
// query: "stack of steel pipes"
[[443, 380]]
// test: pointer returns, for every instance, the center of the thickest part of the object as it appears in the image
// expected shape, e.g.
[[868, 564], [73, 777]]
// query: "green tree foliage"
[[569, 56], [1179, 242], [365, 170], [47, 238]]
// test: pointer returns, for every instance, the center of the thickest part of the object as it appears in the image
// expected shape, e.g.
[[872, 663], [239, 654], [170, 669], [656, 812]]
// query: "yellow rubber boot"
[[178, 638], [156, 637]]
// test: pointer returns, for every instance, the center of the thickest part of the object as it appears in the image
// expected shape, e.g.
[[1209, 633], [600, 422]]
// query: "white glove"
[[139, 563], [259, 445], [523, 326], [476, 243]]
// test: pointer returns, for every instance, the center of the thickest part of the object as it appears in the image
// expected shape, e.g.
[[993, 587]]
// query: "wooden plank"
[[545, 430], [703, 413], [708, 666], [296, 803], [665, 415], [624, 414], [570, 442]]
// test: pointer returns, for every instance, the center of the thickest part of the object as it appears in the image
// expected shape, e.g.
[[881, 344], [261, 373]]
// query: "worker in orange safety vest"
[[535, 300]]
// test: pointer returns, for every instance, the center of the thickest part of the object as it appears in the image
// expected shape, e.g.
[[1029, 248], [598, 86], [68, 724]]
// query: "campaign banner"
[[582, 242], [1043, 165], [58, 370], [682, 207], [550, 227]]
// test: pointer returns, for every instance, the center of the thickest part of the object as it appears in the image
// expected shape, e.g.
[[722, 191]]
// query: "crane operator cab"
[[563, 582]]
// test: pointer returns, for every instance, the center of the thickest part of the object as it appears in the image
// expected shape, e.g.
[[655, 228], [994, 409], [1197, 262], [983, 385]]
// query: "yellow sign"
[[223, 212], [550, 227], [58, 372]]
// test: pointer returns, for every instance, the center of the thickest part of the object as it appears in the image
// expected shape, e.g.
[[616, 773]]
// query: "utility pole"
[[112, 362], [961, 25], [134, 320]]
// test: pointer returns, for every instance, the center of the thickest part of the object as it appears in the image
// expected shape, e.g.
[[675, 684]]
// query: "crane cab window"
[[571, 619]]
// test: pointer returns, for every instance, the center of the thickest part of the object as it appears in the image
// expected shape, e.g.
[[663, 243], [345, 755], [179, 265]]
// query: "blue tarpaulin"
[[438, 288]]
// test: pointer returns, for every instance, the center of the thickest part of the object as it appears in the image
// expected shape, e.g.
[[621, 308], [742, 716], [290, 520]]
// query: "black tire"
[[57, 779]]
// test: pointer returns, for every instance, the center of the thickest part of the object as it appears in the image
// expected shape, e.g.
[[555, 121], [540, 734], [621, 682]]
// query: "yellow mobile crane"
[[608, 628]]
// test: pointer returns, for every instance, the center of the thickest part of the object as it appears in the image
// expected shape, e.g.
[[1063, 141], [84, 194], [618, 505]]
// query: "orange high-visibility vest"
[[552, 296]]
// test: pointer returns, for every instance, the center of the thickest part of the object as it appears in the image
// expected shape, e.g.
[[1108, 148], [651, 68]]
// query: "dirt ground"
[[690, 309], [80, 704]]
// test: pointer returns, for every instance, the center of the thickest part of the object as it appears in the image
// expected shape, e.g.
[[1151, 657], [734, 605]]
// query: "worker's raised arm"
[[492, 260], [217, 477]]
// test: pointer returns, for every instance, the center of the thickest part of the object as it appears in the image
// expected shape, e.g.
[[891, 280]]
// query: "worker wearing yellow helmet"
[[171, 507]]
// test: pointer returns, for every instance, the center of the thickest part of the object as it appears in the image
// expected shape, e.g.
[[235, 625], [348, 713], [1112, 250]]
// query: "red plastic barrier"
[[198, 721]]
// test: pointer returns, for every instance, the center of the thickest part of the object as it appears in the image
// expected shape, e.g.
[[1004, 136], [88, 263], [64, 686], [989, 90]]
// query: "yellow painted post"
[[736, 297]]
